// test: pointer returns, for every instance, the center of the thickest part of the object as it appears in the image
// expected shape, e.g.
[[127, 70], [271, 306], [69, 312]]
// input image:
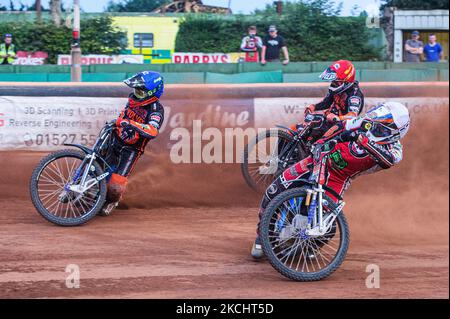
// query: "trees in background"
[[416, 4], [134, 5], [314, 31], [55, 8], [99, 36]]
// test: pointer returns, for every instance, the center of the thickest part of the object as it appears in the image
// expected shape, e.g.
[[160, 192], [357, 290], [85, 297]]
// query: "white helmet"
[[388, 122]]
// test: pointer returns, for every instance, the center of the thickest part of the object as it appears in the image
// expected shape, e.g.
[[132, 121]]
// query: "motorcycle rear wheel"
[[257, 174]]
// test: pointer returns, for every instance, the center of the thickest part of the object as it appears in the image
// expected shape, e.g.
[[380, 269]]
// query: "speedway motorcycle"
[[303, 232], [273, 151], [69, 187]]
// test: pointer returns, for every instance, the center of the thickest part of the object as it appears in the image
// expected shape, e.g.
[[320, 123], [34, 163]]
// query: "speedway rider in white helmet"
[[365, 144]]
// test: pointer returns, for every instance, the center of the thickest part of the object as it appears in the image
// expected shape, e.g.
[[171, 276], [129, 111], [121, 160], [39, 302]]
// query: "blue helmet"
[[146, 84]]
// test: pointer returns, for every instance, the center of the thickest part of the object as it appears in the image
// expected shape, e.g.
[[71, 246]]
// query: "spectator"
[[433, 51], [413, 48], [251, 45], [272, 45], [7, 51]]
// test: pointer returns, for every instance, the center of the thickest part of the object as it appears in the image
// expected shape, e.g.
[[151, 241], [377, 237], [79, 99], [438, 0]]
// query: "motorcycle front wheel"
[[289, 251], [51, 197]]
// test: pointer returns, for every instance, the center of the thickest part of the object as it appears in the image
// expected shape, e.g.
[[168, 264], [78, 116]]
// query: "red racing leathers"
[[344, 106], [353, 155]]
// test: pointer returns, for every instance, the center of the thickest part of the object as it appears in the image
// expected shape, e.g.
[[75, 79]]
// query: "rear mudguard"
[[85, 149], [287, 129]]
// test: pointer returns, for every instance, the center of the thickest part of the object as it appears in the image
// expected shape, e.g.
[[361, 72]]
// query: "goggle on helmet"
[[146, 84], [387, 123]]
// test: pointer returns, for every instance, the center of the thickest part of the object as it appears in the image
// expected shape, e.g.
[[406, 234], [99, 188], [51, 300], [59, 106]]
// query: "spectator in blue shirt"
[[433, 51]]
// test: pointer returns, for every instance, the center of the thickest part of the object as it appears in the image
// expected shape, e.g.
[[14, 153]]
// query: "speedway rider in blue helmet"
[[137, 124]]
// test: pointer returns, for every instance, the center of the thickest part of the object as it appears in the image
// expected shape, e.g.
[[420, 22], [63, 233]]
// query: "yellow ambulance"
[[153, 36]]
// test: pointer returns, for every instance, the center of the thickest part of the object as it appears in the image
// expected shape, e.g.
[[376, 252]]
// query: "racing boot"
[[116, 187], [107, 209], [257, 251]]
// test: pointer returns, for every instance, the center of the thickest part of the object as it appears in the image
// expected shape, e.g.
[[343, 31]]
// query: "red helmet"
[[341, 74]]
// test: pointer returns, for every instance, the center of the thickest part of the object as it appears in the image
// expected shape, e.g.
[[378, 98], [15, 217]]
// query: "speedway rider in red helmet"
[[344, 100]]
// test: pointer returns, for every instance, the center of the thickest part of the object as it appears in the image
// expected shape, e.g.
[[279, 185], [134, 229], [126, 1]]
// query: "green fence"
[[230, 73]]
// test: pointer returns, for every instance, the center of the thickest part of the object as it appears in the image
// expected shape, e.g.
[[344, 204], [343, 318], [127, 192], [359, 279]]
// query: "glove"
[[310, 109], [120, 122], [127, 134], [125, 129], [332, 117]]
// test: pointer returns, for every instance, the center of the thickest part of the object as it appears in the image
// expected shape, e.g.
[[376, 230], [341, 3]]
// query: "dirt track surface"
[[184, 237], [190, 253]]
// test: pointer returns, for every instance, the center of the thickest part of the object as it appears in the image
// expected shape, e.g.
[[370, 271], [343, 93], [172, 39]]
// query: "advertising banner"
[[35, 123], [285, 111], [65, 59], [196, 58], [46, 123], [191, 129], [237, 57], [30, 58]]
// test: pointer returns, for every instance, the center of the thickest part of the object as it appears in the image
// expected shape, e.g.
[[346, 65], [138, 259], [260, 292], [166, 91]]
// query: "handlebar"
[[109, 125], [314, 117], [318, 116], [287, 129]]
